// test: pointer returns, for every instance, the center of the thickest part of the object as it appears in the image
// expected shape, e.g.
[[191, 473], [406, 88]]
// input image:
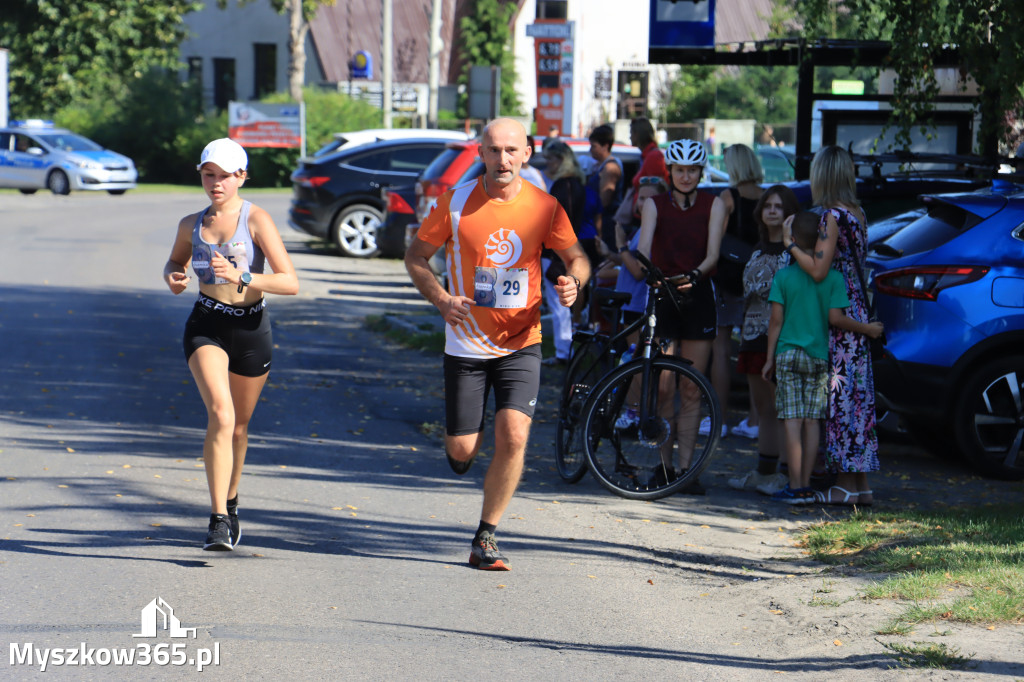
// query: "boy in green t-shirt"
[[802, 309]]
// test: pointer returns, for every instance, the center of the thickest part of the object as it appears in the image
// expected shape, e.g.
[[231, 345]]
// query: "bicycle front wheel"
[[589, 363], [641, 428]]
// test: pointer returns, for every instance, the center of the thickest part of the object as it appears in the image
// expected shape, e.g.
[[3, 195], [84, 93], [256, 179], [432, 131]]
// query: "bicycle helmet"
[[686, 153]]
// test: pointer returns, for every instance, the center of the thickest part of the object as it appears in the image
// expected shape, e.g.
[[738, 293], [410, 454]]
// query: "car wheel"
[[355, 231], [57, 182], [989, 418], [27, 191], [116, 192]]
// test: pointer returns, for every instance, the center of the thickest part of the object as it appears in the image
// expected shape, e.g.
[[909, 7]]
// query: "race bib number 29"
[[501, 287]]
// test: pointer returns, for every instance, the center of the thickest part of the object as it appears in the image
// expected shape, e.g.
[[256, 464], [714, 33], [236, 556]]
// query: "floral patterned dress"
[[851, 443]]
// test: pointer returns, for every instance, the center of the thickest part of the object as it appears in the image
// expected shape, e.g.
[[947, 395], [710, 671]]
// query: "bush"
[[160, 125]]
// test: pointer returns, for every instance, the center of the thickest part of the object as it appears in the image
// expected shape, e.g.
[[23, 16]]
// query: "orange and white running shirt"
[[492, 250]]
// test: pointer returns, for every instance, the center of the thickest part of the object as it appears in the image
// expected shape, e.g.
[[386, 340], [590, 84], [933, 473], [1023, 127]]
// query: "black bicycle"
[[593, 355], [642, 418]]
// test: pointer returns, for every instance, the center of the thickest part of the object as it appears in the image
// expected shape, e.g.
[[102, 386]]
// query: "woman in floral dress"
[[850, 439]]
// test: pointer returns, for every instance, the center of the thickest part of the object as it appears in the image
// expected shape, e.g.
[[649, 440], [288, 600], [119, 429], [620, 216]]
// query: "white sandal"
[[862, 493], [827, 498]]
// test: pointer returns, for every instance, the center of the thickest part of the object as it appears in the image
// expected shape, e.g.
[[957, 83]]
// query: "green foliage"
[[691, 95], [927, 655], [161, 126], [990, 44], [309, 7], [485, 39], [767, 95], [61, 52], [844, 19], [145, 123], [329, 112]]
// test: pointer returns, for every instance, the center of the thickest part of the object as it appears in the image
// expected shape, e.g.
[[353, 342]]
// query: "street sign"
[[603, 84], [361, 65], [556, 31], [681, 25]]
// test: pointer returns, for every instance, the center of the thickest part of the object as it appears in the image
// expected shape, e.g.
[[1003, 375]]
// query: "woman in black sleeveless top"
[[740, 200]]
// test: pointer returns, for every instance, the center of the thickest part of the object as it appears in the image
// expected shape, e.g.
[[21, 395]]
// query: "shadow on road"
[[97, 373]]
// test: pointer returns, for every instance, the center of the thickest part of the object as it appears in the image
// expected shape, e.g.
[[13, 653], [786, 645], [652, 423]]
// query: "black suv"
[[337, 196]]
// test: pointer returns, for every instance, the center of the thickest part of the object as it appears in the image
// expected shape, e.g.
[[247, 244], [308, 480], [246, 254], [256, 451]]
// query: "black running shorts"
[[468, 381], [698, 320], [243, 332]]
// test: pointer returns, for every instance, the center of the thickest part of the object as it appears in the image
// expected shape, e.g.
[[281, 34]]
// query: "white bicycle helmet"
[[686, 153]]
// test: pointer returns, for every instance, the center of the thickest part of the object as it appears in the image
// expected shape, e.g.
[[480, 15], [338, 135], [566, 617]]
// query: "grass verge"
[[158, 188], [951, 565], [426, 338], [926, 655]]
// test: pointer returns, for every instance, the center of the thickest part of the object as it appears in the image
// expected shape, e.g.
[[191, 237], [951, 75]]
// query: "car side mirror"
[[35, 151]]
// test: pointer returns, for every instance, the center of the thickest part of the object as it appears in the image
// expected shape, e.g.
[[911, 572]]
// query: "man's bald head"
[[504, 150], [501, 126]]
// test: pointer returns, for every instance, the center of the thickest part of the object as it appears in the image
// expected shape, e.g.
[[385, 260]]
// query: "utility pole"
[[385, 61], [434, 73], [3, 87]]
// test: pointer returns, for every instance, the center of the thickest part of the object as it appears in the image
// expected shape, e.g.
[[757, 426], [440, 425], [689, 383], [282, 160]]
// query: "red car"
[[460, 162]]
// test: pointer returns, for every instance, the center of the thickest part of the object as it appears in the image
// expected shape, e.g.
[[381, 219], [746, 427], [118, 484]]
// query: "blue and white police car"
[[35, 155]]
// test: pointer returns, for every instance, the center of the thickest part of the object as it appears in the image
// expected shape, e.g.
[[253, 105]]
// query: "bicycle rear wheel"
[[641, 436], [588, 364]]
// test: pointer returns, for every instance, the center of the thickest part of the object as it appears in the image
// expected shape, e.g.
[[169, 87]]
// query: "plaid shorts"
[[802, 391]]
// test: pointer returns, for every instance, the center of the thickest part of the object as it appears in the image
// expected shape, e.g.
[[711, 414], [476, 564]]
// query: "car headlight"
[[85, 163]]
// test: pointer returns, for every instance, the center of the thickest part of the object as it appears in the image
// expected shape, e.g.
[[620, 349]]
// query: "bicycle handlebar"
[[656, 278]]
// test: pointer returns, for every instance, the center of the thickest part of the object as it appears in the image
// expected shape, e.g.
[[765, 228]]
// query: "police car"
[[35, 155]]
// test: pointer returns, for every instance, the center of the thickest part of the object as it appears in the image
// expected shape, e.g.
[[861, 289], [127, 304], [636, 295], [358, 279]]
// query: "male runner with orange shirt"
[[493, 231]]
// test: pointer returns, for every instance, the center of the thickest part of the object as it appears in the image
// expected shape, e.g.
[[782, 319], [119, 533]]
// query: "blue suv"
[[949, 287]]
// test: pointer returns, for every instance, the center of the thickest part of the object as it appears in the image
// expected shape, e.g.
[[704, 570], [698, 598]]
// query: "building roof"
[[738, 21], [342, 29]]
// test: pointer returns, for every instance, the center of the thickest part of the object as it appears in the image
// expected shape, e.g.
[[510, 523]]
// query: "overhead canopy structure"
[[805, 56]]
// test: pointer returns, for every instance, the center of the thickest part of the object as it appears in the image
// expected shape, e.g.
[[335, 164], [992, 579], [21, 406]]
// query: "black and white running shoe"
[[236, 530], [218, 538]]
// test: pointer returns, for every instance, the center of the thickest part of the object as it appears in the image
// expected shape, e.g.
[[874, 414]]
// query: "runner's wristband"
[[575, 279]]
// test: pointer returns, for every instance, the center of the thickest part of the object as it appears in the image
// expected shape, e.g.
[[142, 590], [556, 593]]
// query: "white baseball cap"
[[226, 153]]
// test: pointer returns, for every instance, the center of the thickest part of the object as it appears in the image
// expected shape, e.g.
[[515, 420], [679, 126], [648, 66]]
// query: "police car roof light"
[[32, 123]]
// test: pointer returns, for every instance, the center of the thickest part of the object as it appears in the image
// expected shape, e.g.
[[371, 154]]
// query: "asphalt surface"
[[352, 563]]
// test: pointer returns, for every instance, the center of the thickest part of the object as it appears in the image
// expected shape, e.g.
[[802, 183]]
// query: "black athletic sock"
[[233, 504], [488, 527], [767, 464]]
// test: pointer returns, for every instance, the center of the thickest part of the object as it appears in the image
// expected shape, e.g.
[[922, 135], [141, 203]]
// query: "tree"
[[486, 40], [61, 52], [300, 13], [983, 32]]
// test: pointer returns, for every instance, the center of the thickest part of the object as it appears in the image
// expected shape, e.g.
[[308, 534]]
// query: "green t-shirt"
[[805, 308]]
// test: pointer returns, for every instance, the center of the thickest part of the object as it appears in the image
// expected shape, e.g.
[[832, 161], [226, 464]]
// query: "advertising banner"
[[256, 124]]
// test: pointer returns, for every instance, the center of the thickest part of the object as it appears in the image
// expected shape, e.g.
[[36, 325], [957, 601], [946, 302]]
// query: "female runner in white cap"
[[227, 336]]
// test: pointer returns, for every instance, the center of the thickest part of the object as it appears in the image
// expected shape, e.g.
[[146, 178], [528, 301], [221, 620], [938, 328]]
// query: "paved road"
[[352, 563]]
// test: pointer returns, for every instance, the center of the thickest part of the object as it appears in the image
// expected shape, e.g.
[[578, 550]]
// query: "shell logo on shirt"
[[504, 248]]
